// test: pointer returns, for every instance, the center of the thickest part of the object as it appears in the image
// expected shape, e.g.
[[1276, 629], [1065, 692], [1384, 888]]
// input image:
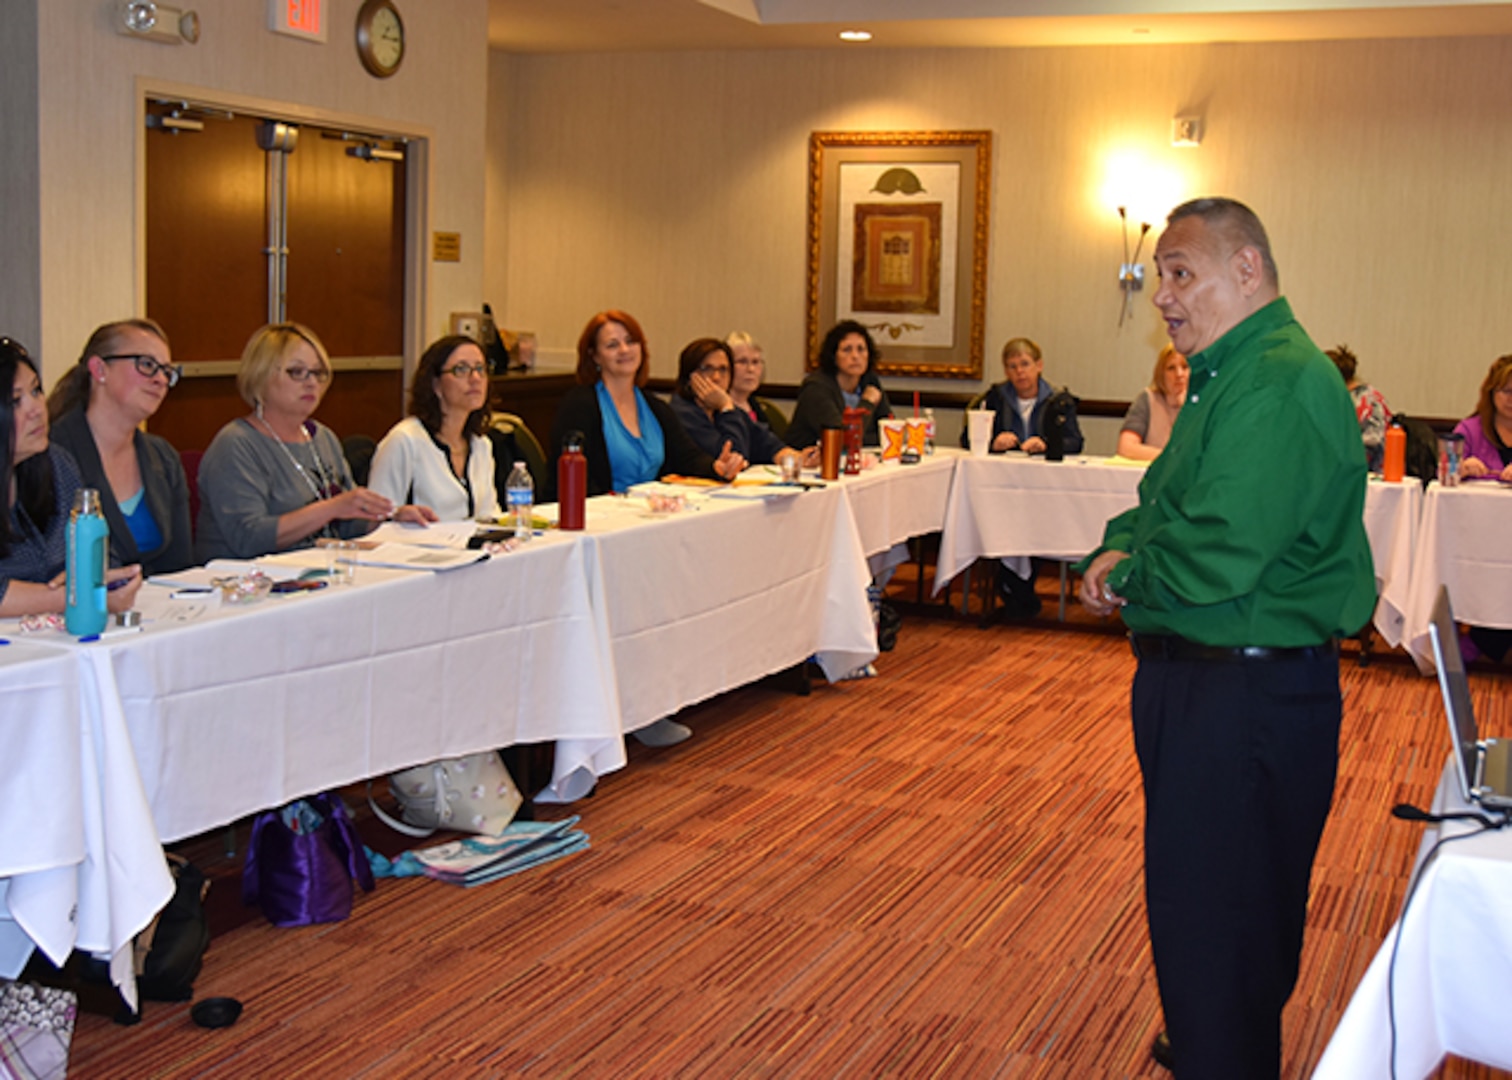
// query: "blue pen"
[[4, 641], [89, 637]]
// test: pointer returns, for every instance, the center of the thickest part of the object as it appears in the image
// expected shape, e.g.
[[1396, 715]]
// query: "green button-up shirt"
[[1249, 528]]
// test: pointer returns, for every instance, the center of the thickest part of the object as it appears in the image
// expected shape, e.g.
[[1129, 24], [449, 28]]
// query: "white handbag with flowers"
[[472, 793]]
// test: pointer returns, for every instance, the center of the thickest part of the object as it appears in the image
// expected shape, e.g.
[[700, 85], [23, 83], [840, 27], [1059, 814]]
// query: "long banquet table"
[[212, 713]]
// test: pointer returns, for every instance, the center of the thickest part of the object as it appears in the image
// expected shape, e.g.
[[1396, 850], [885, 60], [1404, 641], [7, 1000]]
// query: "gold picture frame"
[[897, 240]]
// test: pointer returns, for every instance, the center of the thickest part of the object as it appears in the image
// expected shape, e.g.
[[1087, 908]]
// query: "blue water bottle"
[[87, 541]]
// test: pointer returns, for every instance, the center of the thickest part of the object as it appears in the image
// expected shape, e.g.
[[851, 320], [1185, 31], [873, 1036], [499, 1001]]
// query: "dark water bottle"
[[572, 484]]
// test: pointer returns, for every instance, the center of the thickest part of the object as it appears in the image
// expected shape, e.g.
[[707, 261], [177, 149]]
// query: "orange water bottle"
[[1395, 465]]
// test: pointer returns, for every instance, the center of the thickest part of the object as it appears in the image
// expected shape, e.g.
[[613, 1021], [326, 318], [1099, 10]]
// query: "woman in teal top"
[[629, 436]]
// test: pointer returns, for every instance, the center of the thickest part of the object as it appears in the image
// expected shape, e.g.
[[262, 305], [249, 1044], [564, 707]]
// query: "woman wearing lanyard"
[[440, 456], [276, 479]]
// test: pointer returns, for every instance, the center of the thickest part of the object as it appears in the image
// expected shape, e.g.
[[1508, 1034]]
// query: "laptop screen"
[[1456, 690]]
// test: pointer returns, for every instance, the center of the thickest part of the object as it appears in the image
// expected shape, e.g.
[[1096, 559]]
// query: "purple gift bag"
[[300, 864]]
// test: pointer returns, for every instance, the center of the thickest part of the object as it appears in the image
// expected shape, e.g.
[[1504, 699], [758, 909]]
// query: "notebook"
[[1484, 765]]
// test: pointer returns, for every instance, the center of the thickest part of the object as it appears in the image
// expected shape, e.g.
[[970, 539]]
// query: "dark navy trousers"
[[1238, 759]]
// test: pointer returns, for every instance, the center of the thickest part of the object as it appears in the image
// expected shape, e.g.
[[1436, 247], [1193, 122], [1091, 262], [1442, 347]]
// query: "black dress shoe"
[[1160, 1050]]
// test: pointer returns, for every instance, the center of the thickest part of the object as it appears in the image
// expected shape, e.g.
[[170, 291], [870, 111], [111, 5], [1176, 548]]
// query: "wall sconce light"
[[1186, 131], [1130, 273], [157, 22]]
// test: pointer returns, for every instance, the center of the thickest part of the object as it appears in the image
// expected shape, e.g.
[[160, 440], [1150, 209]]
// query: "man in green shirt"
[[1243, 564]]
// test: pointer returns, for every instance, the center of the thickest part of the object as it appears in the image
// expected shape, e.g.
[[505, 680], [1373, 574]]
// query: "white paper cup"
[[979, 431], [891, 432]]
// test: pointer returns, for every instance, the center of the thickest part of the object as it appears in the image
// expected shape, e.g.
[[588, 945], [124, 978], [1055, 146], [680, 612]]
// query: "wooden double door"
[[214, 196]]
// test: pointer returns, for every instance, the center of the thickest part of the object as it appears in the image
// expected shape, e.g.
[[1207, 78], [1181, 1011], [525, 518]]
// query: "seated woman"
[[96, 412], [846, 379], [629, 437], [1018, 403], [41, 481], [747, 366], [1488, 433], [440, 456], [703, 403], [1370, 407], [276, 479], [1147, 425], [1488, 452]]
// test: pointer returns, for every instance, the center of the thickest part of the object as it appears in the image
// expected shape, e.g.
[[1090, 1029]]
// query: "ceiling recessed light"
[[855, 35]]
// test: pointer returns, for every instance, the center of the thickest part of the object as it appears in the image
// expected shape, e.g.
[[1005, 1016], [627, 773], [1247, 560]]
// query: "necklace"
[[318, 488]]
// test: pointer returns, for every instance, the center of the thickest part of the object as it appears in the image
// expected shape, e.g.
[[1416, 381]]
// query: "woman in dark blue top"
[[40, 481], [703, 403]]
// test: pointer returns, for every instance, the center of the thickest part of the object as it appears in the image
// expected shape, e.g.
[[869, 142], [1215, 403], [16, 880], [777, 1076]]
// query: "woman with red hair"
[[629, 436]]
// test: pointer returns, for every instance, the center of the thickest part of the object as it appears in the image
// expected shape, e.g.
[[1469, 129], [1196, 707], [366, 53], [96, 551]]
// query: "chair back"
[[358, 451], [190, 459], [775, 418], [529, 446]]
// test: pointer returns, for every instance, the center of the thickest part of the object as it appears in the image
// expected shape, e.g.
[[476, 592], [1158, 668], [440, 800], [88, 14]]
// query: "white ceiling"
[[544, 26]]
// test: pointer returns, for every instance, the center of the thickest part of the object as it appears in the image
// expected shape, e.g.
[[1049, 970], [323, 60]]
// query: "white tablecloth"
[[80, 865], [1461, 544], [1011, 505], [236, 710], [893, 503], [723, 593], [1449, 986]]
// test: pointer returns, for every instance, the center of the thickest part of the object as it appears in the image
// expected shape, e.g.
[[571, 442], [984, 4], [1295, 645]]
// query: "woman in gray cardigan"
[[277, 479]]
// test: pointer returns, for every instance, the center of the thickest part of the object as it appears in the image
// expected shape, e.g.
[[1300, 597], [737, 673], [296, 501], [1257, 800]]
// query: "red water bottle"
[[572, 484], [853, 419]]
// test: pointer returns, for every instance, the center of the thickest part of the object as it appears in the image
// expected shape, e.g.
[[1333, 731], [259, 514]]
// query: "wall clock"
[[380, 37]]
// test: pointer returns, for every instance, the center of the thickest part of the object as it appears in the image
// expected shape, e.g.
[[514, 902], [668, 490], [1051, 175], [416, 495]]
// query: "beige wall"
[[87, 91], [673, 185]]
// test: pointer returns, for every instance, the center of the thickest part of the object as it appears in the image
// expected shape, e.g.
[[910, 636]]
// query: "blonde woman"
[[1147, 425], [276, 479], [96, 411]]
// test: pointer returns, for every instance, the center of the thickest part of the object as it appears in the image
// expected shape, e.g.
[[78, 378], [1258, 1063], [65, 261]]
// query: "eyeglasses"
[[749, 361], [1503, 391], [464, 371], [149, 367], [712, 369], [299, 374]]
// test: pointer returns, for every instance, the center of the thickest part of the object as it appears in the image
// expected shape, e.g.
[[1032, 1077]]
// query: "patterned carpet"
[[933, 873]]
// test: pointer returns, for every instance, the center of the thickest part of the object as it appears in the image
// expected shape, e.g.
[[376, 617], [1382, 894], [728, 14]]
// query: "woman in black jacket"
[[629, 436], [847, 378], [97, 409]]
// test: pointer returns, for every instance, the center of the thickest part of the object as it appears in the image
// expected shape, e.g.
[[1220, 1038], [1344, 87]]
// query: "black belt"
[[1172, 647]]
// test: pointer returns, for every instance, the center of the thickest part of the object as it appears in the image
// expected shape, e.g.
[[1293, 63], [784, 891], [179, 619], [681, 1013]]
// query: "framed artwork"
[[897, 240]]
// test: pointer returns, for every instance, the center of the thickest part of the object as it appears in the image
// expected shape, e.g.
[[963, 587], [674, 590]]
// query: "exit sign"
[[298, 18]]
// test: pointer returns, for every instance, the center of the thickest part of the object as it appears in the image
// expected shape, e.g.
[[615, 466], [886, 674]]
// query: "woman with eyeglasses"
[[705, 404], [1488, 432], [96, 411], [440, 455], [277, 479], [40, 482]]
